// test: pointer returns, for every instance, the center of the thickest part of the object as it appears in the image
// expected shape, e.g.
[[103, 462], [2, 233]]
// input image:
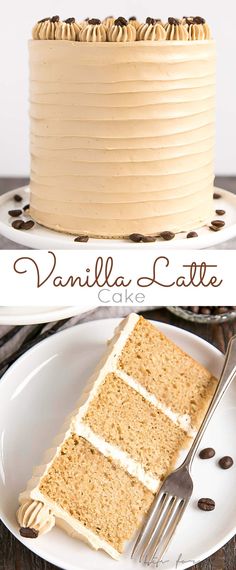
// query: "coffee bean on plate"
[[192, 235], [137, 238], [15, 213], [28, 225], [18, 198], [17, 224], [167, 236], [26, 207], [21, 225], [206, 504], [83, 239], [207, 453], [220, 212], [148, 239], [226, 462], [216, 196], [218, 223]]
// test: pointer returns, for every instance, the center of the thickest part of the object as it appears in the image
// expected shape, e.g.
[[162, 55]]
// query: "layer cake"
[[122, 124], [142, 406]]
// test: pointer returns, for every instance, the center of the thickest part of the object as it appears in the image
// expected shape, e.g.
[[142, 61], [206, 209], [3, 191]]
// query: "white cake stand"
[[43, 238]]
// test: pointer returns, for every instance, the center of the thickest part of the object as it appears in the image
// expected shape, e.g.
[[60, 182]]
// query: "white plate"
[[42, 238], [38, 392], [36, 315]]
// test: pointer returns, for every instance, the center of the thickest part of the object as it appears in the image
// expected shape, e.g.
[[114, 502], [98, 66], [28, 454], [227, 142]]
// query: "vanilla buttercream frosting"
[[35, 515], [151, 31], [46, 29], [95, 31], [122, 135], [176, 31], [121, 31], [198, 29], [68, 30], [108, 21], [135, 22]]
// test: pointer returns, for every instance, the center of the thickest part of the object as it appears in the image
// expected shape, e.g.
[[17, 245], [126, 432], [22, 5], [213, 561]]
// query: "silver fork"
[[172, 499]]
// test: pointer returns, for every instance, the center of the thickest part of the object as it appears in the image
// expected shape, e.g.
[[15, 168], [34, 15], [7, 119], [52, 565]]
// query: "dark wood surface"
[[14, 556]]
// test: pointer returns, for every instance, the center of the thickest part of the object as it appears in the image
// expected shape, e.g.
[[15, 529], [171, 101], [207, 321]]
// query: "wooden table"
[[14, 556]]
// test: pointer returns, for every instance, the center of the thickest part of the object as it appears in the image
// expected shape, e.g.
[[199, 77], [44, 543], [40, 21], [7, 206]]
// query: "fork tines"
[[157, 531]]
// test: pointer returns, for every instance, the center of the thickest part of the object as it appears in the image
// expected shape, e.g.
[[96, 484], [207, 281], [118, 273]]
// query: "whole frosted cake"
[[143, 403], [122, 125]]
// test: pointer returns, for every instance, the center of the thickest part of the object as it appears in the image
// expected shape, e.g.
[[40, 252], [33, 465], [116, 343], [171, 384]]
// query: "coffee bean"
[[15, 213], [192, 235], [214, 229], [194, 310], [216, 196], [82, 239], [207, 453], [26, 207], [21, 225], [210, 310], [218, 223], [206, 504], [27, 532], [17, 224], [136, 237], [220, 310], [148, 239], [18, 198], [167, 236], [220, 212], [226, 462], [28, 225], [205, 311]]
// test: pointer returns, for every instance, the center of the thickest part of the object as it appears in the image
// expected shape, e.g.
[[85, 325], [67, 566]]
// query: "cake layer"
[[124, 418], [96, 491], [110, 119], [99, 477], [166, 372]]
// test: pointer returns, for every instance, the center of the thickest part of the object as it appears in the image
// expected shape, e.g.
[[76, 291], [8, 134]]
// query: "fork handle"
[[227, 375]]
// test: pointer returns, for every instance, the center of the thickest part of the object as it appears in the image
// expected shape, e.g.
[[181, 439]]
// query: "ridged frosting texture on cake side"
[[122, 135]]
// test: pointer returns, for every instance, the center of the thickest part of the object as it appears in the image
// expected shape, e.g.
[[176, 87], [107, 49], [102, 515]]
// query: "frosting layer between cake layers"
[[135, 415], [122, 135]]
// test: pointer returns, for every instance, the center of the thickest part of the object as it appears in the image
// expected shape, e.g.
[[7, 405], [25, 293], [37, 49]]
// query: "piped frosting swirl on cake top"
[[95, 31], [108, 22], [175, 30], [68, 30], [46, 28], [121, 31], [133, 20], [188, 28], [152, 30], [198, 29]]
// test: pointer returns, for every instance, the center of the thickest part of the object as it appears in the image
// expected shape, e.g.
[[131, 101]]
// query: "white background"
[[21, 271], [17, 19]]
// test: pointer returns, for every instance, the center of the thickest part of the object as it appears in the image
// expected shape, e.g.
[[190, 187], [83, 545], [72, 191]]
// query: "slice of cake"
[[143, 404], [122, 126]]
